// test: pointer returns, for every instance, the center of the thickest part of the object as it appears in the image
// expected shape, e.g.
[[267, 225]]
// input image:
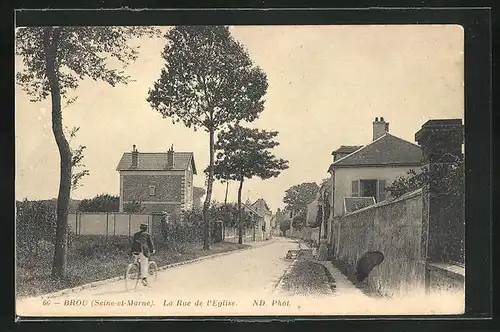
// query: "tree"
[[54, 60], [243, 153], [100, 203], [208, 82], [299, 196], [299, 220], [284, 226]]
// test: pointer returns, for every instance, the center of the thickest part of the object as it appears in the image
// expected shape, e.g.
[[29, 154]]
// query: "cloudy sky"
[[326, 86]]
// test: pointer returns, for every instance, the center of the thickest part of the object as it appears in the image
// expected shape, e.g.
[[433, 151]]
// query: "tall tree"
[[54, 60], [243, 153], [208, 82], [297, 197]]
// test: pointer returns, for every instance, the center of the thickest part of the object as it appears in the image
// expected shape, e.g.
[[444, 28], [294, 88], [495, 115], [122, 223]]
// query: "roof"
[[388, 150], [252, 209], [262, 202], [347, 149], [355, 203], [156, 161]]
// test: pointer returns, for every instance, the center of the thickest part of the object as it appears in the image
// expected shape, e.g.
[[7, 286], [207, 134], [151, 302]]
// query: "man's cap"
[[144, 225]]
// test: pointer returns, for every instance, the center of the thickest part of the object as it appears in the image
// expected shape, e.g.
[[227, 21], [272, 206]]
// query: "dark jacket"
[[142, 243]]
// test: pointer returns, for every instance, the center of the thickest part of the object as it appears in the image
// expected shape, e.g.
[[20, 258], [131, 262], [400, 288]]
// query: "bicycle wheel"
[[152, 271], [132, 276]]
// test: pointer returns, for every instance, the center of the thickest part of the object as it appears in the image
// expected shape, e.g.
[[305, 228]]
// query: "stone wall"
[[393, 228]]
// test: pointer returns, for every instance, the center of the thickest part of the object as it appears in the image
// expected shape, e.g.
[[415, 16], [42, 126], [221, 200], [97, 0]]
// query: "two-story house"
[[161, 182], [359, 178]]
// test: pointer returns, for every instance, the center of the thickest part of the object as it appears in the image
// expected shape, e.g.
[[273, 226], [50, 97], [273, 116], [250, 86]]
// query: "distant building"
[[263, 217], [161, 182]]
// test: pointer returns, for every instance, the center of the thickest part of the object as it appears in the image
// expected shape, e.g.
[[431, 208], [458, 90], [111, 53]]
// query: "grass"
[[307, 278], [94, 258]]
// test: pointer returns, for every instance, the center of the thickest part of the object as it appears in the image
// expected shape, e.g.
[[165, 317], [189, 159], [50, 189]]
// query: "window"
[[152, 190], [369, 188]]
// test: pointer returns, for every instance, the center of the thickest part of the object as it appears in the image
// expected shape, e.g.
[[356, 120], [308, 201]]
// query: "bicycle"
[[133, 273]]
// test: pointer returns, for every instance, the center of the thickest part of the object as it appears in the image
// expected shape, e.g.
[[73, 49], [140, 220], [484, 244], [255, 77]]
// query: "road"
[[237, 284], [251, 273]]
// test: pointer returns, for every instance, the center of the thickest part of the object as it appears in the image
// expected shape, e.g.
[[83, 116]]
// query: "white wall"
[[344, 176]]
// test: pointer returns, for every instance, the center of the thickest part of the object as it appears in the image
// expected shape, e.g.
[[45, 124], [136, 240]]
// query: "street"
[[239, 283]]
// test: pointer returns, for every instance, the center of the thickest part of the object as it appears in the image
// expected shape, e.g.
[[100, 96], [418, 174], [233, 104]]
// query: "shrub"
[[35, 225], [100, 203]]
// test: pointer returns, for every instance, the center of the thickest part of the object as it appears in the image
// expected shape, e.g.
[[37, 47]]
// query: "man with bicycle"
[[142, 246]]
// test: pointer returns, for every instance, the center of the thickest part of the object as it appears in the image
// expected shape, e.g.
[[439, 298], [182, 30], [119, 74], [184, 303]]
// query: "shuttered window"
[[381, 191], [355, 188], [152, 190]]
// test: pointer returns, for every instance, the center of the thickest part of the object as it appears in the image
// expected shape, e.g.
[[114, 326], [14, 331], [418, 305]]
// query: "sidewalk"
[[336, 281]]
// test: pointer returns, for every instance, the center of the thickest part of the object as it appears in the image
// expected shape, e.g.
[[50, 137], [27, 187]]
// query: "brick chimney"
[[380, 127], [135, 157], [170, 157]]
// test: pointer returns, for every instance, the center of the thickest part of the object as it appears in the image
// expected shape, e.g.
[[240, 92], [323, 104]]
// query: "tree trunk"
[[240, 222], [206, 204], [320, 225], [51, 38], [226, 215]]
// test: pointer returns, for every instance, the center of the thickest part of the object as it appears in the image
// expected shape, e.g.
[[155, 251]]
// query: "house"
[[262, 208], [360, 174], [262, 215], [161, 182]]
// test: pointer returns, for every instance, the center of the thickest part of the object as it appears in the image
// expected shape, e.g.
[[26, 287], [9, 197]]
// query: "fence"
[[232, 235], [107, 224]]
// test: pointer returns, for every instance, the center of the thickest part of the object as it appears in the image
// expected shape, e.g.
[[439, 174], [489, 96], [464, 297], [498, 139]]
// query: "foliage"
[[299, 196], [451, 179], [35, 222], [54, 60], [226, 213], [208, 82], [133, 207], [284, 225], [299, 220], [243, 153], [77, 162], [198, 192], [80, 51], [100, 203]]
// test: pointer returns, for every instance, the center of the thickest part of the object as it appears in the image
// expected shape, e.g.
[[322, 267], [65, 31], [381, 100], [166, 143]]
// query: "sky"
[[326, 86]]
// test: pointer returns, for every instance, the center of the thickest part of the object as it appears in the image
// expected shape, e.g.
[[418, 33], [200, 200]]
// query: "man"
[[143, 246]]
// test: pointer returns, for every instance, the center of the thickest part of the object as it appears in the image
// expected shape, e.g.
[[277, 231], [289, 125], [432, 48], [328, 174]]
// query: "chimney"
[[135, 156], [170, 157], [380, 127]]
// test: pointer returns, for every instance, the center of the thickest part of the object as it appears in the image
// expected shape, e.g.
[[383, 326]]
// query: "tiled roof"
[[385, 151], [156, 161], [347, 149], [352, 204]]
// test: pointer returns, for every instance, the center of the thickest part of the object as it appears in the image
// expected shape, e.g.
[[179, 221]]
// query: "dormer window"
[[152, 190]]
